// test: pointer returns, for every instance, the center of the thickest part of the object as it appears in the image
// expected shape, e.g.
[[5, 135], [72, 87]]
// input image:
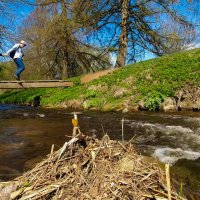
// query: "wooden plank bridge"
[[34, 84]]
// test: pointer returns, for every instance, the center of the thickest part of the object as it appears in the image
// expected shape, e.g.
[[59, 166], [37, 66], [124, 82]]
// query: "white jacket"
[[18, 53]]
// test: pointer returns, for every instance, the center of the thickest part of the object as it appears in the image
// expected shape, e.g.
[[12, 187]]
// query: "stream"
[[27, 134]]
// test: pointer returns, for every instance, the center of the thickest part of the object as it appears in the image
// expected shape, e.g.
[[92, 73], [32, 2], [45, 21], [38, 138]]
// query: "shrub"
[[154, 100]]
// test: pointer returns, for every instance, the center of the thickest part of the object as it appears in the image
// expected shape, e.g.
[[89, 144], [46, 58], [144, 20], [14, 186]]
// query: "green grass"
[[151, 81]]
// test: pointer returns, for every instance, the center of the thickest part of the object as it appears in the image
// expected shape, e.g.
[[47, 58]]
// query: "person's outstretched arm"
[[15, 47]]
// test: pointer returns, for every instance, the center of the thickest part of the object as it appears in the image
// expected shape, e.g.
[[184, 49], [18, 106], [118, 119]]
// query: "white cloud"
[[193, 45]]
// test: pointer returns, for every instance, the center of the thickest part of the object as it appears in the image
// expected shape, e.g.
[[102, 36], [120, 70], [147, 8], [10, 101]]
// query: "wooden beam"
[[34, 84]]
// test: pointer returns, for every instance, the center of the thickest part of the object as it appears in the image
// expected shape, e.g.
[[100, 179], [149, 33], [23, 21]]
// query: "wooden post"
[[75, 124], [75, 129], [52, 148], [123, 130], [168, 181]]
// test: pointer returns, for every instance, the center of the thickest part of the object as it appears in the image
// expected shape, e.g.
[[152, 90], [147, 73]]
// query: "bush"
[[154, 100]]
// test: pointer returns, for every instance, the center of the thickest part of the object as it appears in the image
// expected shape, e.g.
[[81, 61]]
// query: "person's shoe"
[[16, 77]]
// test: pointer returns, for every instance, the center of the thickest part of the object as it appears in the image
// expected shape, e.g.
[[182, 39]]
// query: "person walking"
[[16, 54]]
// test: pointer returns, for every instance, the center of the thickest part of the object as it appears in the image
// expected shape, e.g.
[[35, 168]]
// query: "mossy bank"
[[167, 83]]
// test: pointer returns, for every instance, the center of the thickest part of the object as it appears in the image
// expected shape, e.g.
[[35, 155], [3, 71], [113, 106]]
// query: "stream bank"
[[167, 83], [27, 134]]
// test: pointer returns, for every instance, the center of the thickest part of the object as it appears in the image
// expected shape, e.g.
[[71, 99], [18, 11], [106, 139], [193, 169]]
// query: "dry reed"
[[88, 168]]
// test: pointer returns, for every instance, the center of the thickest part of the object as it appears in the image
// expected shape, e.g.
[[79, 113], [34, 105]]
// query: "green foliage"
[[97, 103], [59, 95], [151, 80], [27, 184], [21, 97], [76, 80], [89, 94], [154, 100]]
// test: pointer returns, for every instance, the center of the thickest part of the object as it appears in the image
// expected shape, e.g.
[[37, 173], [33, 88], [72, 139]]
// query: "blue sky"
[[17, 13], [21, 11]]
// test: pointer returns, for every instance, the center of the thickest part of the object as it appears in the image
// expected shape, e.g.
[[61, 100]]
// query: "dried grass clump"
[[88, 168]]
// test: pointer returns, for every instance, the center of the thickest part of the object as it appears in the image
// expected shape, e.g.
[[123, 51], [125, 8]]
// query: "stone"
[[189, 98], [86, 104], [141, 105], [196, 106], [74, 103], [125, 110], [98, 87], [111, 107], [169, 104], [186, 104], [120, 92]]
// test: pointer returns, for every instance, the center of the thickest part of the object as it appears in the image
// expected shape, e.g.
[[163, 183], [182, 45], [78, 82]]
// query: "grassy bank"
[[151, 81]]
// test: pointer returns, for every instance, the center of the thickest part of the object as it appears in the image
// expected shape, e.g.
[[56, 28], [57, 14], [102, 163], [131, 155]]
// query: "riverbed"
[[27, 134]]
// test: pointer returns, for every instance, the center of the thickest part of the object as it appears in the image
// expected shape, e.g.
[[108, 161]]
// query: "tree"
[[135, 26], [6, 16], [56, 38], [176, 37], [76, 36], [123, 40]]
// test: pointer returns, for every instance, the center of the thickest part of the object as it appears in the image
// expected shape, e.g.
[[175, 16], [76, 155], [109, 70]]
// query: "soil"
[[89, 77]]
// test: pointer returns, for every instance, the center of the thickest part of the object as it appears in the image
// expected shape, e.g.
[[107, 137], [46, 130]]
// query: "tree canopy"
[[71, 37]]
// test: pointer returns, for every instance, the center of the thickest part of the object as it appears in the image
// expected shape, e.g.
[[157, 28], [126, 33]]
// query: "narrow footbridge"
[[35, 84]]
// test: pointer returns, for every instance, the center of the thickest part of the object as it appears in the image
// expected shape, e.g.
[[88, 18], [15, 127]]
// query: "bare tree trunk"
[[64, 9], [65, 55], [64, 72], [55, 8], [123, 41], [65, 66]]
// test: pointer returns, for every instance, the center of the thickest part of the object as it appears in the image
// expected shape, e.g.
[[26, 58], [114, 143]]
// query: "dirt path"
[[89, 77]]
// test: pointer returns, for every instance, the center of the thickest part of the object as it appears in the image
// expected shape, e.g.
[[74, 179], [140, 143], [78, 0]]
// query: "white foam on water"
[[170, 155], [193, 119], [178, 135], [171, 116], [142, 124], [151, 125], [179, 129], [161, 128], [41, 115]]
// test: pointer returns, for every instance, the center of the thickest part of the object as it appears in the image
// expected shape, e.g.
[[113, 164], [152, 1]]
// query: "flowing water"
[[26, 136]]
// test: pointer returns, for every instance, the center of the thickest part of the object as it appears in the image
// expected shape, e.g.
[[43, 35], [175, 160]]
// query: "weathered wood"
[[34, 84], [168, 181]]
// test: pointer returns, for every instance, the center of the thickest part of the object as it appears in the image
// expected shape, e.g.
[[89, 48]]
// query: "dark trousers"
[[20, 66]]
